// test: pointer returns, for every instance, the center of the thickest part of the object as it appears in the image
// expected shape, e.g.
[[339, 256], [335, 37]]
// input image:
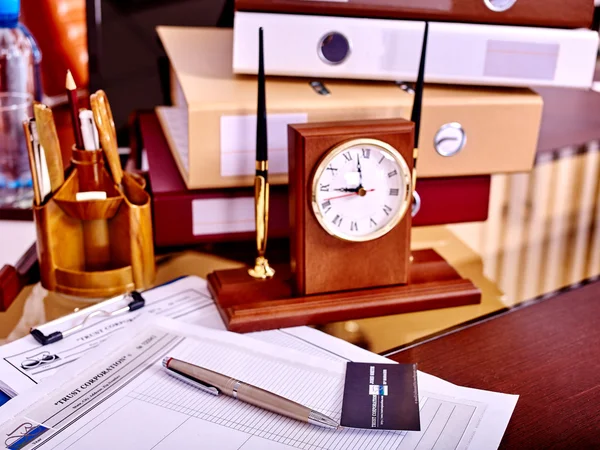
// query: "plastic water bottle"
[[19, 86]]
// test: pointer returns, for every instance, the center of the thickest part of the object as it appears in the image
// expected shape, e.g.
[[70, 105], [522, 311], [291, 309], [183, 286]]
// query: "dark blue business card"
[[381, 396]]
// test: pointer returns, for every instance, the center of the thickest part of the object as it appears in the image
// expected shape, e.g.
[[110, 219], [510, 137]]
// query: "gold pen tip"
[[70, 81]]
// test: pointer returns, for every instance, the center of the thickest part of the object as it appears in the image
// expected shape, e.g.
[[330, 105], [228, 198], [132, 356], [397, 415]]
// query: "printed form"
[[25, 362], [119, 396]]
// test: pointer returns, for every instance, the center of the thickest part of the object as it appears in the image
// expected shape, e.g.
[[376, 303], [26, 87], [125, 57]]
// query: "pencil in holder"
[[96, 248]]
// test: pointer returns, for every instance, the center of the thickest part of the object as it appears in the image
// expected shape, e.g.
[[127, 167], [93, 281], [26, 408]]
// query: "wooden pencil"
[[71, 88]]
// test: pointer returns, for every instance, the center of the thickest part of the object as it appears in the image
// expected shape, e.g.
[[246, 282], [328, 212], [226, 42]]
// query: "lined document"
[[24, 363], [119, 396]]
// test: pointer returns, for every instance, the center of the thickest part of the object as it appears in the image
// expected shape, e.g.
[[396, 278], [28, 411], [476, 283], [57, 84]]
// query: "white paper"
[[238, 142], [222, 215], [90, 195], [119, 396], [24, 362], [176, 123]]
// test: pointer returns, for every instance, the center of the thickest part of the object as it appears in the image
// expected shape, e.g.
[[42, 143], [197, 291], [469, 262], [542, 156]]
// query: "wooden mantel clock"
[[351, 188], [350, 203]]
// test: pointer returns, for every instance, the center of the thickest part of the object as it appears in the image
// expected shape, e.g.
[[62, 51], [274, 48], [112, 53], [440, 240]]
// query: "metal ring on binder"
[[329, 49], [416, 206], [450, 139], [499, 5]]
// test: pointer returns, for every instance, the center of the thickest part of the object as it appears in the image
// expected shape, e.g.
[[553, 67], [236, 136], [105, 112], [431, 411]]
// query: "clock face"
[[361, 190]]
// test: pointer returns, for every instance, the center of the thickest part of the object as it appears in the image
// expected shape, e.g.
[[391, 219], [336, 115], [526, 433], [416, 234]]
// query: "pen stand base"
[[247, 304], [96, 248]]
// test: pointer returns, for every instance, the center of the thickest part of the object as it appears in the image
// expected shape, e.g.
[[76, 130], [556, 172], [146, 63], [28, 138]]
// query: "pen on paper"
[[216, 384]]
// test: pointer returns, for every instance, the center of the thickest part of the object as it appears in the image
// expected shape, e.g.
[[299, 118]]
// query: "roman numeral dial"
[[361, 190]]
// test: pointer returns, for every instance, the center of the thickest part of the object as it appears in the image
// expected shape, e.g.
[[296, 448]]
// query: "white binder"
[[381, 49]]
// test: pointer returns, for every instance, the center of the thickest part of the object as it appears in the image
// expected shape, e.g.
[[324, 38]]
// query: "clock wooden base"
[[247, 304]]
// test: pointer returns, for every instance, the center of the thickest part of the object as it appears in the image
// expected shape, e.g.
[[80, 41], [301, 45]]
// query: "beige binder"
[[211, 128]]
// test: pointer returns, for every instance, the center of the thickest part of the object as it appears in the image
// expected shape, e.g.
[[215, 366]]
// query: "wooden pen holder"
[[95, 248]]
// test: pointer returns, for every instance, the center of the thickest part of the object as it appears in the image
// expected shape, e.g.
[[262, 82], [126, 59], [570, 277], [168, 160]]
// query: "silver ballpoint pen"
[[216, 383]]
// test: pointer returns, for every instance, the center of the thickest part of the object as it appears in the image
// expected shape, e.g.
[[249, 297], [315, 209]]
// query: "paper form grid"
[[453, 417], [191, 409], [287, 340]]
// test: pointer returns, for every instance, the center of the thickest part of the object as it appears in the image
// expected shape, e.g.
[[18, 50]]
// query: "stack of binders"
[[356, 59]]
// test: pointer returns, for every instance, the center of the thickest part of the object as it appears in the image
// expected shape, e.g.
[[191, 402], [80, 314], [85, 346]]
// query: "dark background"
[[126, 58]]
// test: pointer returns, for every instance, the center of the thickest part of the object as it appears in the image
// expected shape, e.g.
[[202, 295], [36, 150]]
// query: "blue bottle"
[[20, 85]]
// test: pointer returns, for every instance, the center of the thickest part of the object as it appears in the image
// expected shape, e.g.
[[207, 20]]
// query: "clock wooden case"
[[324, 260], [344, 274]]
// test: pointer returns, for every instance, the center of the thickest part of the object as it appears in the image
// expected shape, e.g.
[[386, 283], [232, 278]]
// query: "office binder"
[[380, 49], [542, 13], [186, 217], [211, 128]]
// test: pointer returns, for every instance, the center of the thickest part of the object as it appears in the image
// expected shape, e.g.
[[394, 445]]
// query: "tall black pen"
[[418, 104], [261, 267]]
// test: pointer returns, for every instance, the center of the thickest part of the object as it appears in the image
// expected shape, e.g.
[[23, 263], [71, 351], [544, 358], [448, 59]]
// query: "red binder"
[[187, 217], [541, 13]]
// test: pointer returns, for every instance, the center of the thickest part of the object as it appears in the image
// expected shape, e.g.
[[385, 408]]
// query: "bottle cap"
[[9, 11]]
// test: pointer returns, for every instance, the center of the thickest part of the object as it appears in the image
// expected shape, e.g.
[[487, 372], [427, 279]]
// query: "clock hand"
[[347, 189], [348, 195], [359, 172]]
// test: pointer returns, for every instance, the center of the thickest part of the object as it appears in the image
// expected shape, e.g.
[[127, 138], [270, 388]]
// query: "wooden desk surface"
[[547, 352]]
